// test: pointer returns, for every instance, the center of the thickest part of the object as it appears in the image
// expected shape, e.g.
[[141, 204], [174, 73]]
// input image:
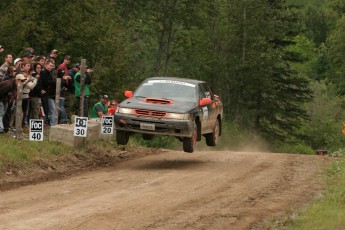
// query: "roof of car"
[[194, 81]]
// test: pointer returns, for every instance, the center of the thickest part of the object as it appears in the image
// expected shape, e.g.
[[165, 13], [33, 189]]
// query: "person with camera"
[[28, 85]]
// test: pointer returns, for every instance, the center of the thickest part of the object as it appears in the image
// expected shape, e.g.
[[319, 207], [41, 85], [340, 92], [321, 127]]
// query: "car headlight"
[[178, 116], [125, 110]]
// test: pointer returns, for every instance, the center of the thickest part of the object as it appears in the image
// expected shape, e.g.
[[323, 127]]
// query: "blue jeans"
[[51, 111], [63, 118], [3, 108]]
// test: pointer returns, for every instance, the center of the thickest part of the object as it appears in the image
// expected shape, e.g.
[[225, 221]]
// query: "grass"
[[13, 150], [326, 212]]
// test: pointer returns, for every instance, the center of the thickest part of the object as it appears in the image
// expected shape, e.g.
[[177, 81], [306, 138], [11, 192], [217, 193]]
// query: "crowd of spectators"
[[38, 75]]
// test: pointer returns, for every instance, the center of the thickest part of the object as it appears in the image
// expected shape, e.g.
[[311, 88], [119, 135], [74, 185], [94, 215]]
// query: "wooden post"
[[57, 99], [82, 83], [19, 110]]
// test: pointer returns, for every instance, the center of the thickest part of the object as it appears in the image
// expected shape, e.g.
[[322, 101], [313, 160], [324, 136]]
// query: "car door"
[[206, 109]]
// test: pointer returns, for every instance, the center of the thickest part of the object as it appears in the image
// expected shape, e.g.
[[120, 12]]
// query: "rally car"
[[184, 108]]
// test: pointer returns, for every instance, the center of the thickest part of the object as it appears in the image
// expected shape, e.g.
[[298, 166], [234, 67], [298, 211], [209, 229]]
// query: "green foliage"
[[323, 130], [166, 142], [338, 153], [298, 148]]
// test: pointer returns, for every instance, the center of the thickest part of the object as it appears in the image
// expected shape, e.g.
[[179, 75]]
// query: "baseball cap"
[[27, 54], [1, 47], [20, 77], [104, 96], [76, 65], [67, 57], [17, 60]]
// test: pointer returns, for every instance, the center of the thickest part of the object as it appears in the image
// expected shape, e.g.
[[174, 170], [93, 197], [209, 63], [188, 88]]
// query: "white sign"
[[36, 130], [107, 126], [205, 111], [80, 126], [171, 82]]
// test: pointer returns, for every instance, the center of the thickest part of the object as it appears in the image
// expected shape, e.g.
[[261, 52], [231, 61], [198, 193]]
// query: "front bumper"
[[170, 127]]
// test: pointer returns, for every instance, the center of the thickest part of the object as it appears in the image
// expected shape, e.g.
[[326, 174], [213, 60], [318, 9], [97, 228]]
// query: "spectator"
[[7, 87], [64, 84], [27, 57], [35, 93], [53, 54], [87, 83], [75, 69], [112, 107], [10, 75], [45, 80], [100, 108], [17, 63], [7, 63], [28, 85], [1, 49], [41, 60], [24, 67]]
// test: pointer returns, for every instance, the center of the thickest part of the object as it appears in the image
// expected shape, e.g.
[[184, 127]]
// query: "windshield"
[[174, 90]]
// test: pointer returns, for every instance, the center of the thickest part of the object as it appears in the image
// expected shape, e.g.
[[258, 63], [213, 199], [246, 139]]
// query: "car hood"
[[159, 104]]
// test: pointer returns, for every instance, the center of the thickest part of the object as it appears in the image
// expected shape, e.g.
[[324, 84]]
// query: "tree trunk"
[[19, 111]]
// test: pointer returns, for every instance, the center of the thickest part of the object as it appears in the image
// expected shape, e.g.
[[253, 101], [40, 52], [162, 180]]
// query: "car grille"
[[149, 113], [158, 101]]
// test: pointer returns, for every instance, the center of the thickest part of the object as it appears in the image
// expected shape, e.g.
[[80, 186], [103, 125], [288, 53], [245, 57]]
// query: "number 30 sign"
[[80, 126]]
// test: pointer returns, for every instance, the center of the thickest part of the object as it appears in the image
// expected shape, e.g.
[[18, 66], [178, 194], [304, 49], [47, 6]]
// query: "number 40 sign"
[[36, 130]]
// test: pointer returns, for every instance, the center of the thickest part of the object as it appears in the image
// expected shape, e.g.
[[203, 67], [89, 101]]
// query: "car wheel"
[[189, 143], [212, 138], [148, 137], [122, 137]]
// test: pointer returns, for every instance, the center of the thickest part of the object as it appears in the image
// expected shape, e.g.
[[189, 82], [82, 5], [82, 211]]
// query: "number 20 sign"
[[80, 126], [107, 126]]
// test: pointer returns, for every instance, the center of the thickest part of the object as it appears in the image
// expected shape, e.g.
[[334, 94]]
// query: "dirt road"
[[171, 190]]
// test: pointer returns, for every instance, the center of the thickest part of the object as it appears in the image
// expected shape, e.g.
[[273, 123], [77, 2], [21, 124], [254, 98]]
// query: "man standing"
[[64, 94], [7, 63], [100, 108], [47, 86], [6, 87]]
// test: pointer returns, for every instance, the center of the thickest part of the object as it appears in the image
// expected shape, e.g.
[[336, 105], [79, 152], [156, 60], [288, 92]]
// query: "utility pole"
[[82, 83]]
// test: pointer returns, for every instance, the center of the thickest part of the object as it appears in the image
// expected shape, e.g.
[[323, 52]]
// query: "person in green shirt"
[[100, 108]]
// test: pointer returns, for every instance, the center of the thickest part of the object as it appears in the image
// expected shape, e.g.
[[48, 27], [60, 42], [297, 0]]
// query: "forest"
[[278, 65]]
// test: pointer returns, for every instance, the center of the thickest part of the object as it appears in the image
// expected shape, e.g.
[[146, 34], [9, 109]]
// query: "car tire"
[[189, 143], [212, 138], [147, 137], [122, 137]]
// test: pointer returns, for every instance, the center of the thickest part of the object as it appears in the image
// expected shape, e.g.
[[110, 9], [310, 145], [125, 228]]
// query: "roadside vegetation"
[[325, 212]]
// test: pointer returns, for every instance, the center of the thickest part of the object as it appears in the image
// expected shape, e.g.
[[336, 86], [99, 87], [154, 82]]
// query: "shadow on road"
[[171, 164]]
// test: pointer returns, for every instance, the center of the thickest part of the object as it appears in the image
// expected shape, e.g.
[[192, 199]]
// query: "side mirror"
[[128, 94], [205, 101]]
